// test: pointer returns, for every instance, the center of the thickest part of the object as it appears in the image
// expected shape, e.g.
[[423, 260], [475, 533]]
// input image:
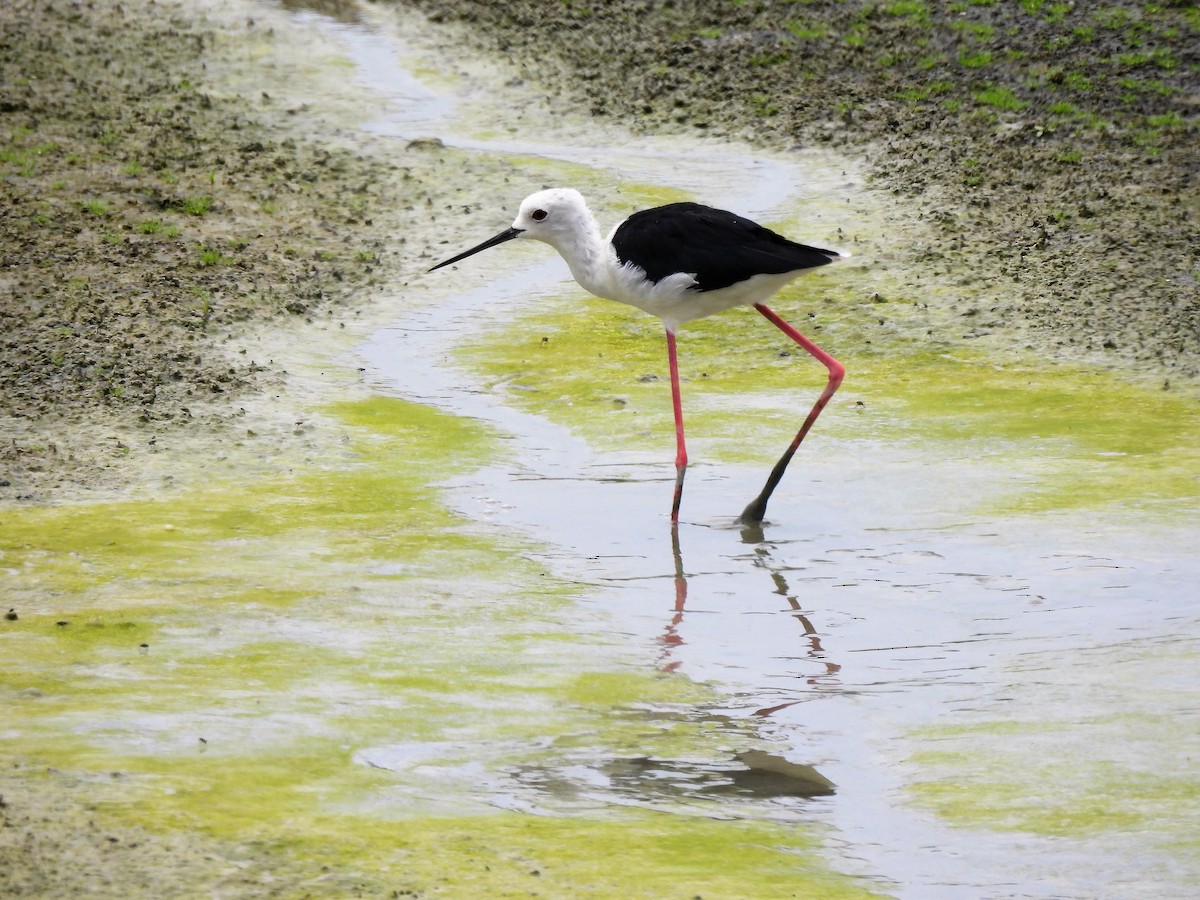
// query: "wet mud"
[[166, 191]]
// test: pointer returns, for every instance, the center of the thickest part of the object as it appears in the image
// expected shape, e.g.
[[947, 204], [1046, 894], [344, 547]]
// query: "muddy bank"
[[1052, 147], [154, 208]]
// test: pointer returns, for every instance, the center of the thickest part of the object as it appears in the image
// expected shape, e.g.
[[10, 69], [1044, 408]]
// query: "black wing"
[[720, 248]]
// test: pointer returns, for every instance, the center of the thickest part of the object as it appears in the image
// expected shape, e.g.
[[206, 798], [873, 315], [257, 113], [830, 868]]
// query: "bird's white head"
[[558, 216]]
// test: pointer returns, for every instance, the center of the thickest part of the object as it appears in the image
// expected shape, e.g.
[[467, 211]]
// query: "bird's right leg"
[[680, 447], [753, 514]]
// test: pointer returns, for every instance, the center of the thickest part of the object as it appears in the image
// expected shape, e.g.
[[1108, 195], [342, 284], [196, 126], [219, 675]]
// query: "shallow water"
[[935, 662]]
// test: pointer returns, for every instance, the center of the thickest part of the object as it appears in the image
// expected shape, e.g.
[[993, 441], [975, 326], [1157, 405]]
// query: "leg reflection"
[[670, 637], [815, 651], [744, 776]]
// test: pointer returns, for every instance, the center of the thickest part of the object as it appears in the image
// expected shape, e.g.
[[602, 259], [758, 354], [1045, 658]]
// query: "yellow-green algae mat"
[[209, 664], [1068, 438]]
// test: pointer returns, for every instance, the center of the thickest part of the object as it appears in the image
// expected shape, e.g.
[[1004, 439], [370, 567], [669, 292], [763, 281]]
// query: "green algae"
[[1075, 439], [381, 483], [1062, 437], [227, 662], [581, 858], [1008, 789], [1113, 800], [1075, 773]]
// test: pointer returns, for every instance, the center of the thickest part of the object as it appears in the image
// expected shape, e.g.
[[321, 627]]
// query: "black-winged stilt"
[[680, 262]]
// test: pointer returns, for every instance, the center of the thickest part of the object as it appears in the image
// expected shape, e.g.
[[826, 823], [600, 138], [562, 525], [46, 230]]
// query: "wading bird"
[[680, 262]]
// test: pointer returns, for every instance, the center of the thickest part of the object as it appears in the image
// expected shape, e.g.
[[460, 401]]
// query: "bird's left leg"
[[753, 514], [680, 447]]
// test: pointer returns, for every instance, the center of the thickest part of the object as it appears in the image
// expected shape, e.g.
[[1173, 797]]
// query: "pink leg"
[[753, 514], [680, 449]]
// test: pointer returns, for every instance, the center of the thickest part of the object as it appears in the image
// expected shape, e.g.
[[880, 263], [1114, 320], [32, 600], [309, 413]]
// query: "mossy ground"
[[1051, 147]]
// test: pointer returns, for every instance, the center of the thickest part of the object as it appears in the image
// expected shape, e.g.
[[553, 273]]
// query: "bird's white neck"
[[586, 254]]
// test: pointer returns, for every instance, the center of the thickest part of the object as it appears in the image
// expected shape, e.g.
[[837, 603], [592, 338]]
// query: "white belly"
[[676, 302]]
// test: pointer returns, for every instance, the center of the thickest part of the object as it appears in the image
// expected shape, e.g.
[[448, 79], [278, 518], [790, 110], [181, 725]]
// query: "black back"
[[719, 248]]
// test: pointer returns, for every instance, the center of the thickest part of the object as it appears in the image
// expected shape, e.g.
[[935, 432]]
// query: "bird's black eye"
[[538, 214]]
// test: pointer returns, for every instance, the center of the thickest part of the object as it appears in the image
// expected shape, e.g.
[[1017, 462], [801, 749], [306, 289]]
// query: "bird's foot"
[[752, 515]]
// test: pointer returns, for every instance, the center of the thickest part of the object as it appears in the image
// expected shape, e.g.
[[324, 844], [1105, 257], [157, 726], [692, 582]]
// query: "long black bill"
[[503, 236]]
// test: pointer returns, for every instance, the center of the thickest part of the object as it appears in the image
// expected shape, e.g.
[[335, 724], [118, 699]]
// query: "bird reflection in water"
[[742, 773], [671, 637]]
